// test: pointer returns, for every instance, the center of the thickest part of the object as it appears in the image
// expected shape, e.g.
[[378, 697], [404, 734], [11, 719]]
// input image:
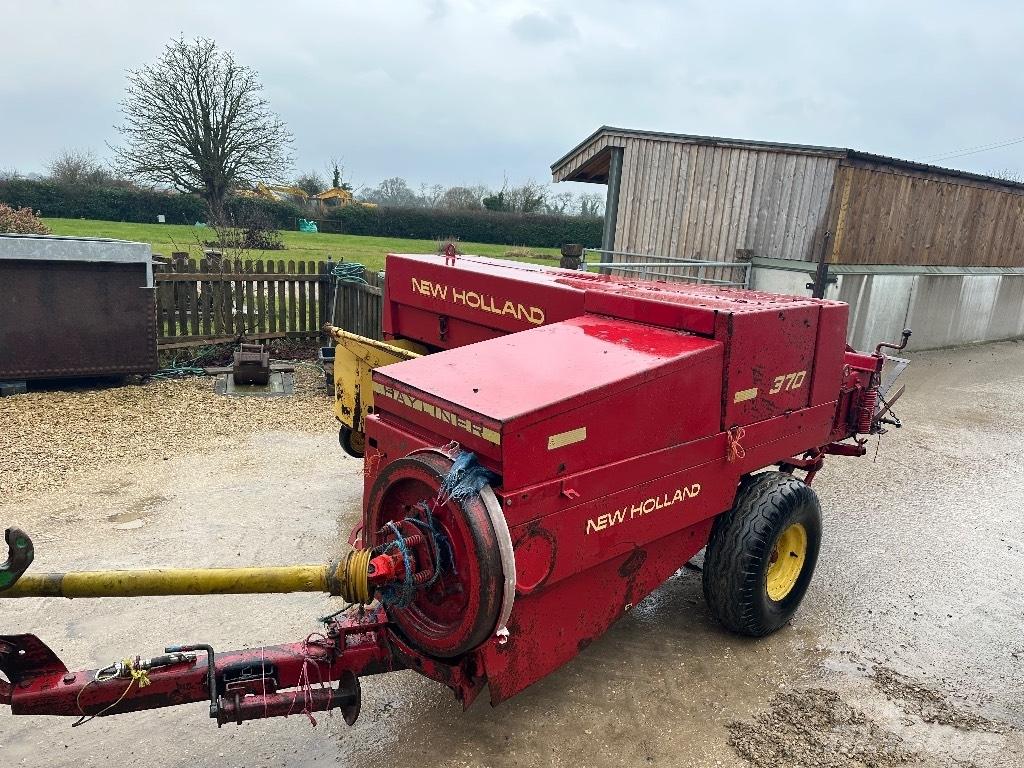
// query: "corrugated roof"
[[775, 146]]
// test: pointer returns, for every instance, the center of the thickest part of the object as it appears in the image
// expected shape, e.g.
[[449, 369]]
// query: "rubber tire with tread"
[[740, 548], [345, 439]]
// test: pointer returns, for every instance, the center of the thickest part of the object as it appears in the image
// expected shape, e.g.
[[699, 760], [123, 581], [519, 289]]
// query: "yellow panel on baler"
[[355, 357]]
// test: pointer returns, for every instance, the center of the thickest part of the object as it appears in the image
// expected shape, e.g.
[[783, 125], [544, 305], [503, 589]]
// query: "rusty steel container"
[[75, 307]]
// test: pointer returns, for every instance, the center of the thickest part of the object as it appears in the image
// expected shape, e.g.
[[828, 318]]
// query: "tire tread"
[[733, 566]]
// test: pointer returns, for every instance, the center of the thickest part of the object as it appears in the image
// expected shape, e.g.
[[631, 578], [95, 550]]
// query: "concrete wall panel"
[[878, 306], [942, 309], [948, 310], [779, 281], [1007, 319]]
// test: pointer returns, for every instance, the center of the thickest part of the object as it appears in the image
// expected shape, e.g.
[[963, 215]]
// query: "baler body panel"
[[770, 362], [553, 625], [449, 303], [557, 399], [829, 352]]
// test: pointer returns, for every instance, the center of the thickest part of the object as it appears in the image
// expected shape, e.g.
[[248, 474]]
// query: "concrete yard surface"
[[908, 649]]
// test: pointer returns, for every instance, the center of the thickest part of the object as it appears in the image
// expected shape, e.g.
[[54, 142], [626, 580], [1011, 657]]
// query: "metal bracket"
[[211, 673], [19, 557]]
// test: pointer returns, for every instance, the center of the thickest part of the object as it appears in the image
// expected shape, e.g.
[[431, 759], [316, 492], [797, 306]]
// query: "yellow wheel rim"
[[787, 561], [358, 441]]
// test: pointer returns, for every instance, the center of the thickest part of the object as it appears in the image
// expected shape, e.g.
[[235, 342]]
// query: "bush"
[[21, 221], [83, 201], [537, 230]]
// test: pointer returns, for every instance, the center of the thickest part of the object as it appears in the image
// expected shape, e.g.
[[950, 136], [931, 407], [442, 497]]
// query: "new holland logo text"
[[448, 417], [480, 301], [645, 507]]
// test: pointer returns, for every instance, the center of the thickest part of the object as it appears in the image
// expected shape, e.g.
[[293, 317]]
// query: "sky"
[[473, 92]]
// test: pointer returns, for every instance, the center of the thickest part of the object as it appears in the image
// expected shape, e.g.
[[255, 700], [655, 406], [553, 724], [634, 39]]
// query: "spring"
[[410, 541], [866, 412], [422, 577]]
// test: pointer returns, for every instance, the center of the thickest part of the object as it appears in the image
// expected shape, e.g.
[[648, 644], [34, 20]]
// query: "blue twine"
[[465, 478], [349, 272], [444, 557], [399, 595]]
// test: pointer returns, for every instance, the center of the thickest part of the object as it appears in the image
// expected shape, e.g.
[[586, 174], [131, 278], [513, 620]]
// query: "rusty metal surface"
[[62, 319], [251, 364]]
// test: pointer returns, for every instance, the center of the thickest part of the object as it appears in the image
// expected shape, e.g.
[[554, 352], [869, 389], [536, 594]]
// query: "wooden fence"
[[216, 302], [357, 307]]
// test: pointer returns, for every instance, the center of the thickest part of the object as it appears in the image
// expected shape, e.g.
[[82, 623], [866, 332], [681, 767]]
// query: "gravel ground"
[[53, 436], [815, 726], [907, 650]]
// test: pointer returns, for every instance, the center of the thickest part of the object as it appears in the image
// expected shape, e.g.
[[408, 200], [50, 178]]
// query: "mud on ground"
[[908, 649]]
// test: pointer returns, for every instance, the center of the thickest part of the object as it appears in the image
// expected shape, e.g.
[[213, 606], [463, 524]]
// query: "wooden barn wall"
[[681, 200], [886, 217]]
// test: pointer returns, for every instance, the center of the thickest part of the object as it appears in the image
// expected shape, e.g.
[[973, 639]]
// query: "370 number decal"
[[787, 381]]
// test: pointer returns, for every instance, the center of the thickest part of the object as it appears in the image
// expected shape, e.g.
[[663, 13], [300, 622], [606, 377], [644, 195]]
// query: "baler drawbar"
[[542, 448]]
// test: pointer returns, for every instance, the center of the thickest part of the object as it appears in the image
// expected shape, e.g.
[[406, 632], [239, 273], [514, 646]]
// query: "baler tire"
[[740, 548], [352, 443]]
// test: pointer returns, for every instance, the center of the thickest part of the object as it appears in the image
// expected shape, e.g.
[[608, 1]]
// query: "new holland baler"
[[569, 442]]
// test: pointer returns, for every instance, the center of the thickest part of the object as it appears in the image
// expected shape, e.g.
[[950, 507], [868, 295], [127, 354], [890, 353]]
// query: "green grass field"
[[369, 251]]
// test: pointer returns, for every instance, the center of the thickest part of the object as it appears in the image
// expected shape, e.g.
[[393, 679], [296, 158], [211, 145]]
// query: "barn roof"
[[595, 167]]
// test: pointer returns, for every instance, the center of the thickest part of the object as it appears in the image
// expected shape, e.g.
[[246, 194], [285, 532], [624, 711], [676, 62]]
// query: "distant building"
[[334, 197], [939, 250]]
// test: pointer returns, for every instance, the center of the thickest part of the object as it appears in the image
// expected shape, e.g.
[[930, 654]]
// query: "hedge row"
[[81, 201], [77, 201], [529, 229]]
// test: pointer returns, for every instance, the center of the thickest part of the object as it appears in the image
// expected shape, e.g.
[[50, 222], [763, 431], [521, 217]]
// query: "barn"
[[906, 244]]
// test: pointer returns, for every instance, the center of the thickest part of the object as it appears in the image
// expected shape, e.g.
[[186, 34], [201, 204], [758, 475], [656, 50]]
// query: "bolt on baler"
[[566, 445]]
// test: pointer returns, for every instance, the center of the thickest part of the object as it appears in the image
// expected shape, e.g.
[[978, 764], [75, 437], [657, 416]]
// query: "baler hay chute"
[[563, 446]]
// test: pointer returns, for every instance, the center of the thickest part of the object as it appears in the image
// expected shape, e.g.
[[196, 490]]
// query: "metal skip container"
[[75, 307]]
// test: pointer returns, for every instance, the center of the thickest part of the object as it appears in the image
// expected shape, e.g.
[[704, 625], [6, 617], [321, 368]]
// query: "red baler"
[[572, 442]]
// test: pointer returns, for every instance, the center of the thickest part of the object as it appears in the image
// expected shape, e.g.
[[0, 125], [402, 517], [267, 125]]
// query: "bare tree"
[[462, 198], [197, 120], [312, 183], [526, 198], [392, 192], [561, 204], [337, 170], [1009, 174], [75, 166], [592, 204], [430, 195]]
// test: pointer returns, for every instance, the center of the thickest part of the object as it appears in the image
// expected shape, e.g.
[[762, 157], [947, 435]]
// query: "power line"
[[975, 150]]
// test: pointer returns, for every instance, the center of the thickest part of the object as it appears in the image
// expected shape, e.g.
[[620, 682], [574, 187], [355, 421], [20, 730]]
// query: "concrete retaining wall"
[[944, 308]]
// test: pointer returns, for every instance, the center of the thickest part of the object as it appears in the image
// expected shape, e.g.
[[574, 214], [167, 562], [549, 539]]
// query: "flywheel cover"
[[469, 601]]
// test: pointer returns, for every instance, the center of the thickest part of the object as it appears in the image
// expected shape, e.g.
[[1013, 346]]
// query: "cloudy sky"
[[468, 91]]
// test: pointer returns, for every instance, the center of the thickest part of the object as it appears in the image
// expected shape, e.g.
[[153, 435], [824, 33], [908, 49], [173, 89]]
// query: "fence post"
[[324, 268]]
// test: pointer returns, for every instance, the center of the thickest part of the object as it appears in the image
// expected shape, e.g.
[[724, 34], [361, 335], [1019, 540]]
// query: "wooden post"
[[250, 313], [271, 299], [292, 314], [282, 304], [300, 324]]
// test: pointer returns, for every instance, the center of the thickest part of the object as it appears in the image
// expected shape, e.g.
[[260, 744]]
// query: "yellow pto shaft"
[[178, 581], [348, 578]]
